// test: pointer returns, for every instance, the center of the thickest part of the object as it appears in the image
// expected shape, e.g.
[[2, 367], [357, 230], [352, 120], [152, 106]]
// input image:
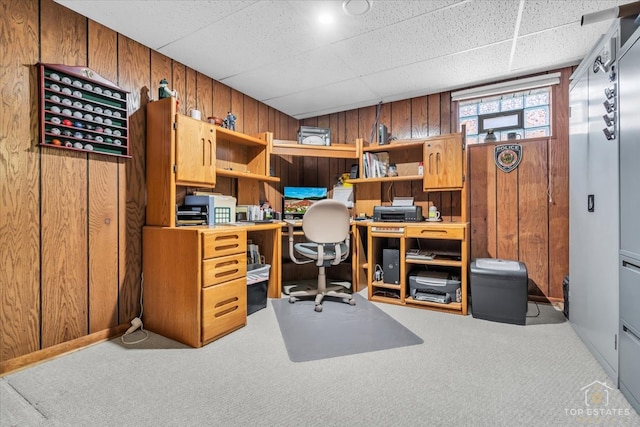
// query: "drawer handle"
[[633, 336], [630, 266], [434, 230], [227, 237], [226, 247], [227, 273]]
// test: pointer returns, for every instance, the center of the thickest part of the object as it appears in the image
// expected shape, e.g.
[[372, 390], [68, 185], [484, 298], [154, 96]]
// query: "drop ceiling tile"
[[435, 75], [336, 97], [252, 37], [313, 69], [382, 14], [539, 15], [156, 23], [571, 43], [430, 36]]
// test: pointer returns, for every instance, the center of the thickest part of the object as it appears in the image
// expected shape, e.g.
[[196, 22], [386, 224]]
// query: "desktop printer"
[[397, 213]]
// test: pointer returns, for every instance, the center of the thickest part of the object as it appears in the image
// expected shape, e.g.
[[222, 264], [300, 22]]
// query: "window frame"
[[518, 113]]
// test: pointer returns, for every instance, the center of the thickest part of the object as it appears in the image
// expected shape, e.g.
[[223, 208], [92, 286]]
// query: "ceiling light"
[[325, 19], [356, 7]]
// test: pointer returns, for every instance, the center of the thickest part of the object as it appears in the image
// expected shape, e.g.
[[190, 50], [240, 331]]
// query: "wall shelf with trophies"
[[82, 111]]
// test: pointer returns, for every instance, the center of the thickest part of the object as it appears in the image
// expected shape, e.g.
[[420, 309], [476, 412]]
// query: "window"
[[526, 113]]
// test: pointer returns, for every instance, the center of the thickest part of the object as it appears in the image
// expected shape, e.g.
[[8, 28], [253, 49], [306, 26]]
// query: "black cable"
[[538, 314]]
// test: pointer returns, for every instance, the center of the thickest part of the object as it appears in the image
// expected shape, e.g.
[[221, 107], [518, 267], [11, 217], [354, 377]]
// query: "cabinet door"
[[443, 163], [195, 152]]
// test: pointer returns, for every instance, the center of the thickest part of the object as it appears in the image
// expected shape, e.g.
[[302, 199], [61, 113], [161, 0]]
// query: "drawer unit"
[[629, 369], [224, 308], [436, 231], [195, 282], [222, 269], [215, 244]]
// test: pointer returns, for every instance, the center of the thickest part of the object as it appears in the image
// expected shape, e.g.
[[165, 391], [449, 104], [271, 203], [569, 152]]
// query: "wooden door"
[[195, 152], [443, 163]]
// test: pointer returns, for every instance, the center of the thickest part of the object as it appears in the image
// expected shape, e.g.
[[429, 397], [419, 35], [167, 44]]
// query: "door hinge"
[[175, 168], [175, 125]]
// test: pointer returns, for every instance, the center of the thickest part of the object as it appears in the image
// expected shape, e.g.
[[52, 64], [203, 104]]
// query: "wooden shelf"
[[395, 145], [453, 306], [440, 262], [238, 138], [336, 151], [82, 111], [246, 175], [386, 179]]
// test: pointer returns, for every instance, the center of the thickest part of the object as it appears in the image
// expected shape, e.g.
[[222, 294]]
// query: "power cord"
[[538, 307], [137, 322], [378, 274]]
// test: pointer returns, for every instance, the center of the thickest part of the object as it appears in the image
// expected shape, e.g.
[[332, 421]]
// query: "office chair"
[[326, 227]]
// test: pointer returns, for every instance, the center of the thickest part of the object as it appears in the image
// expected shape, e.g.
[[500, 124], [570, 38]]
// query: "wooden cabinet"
[[444, 161], [195, 143], [180, 152], [195, 285]]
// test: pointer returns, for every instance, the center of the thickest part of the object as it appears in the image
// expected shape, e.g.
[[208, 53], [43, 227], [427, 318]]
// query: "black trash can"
[[499, 290], [257, 286]]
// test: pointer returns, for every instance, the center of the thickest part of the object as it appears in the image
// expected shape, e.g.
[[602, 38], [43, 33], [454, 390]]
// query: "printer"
[[397, 213], [434, 286]]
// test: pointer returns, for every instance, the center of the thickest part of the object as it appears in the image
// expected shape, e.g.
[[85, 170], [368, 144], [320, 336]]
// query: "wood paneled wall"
[[71, 222], [523, 215]]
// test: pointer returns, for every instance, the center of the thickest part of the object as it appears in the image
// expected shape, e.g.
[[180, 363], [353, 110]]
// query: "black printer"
[[397, 213]]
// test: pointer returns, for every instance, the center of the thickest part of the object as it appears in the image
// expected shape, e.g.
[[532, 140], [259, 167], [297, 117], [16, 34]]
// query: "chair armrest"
[[292, 250]]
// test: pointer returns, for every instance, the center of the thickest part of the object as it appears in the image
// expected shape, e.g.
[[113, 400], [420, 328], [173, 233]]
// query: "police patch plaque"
[[507, 156]]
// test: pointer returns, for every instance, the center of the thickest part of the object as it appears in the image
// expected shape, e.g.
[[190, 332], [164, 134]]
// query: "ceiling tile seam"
[[279, 61], [205, 26], [535, 33], [360, 76], [516, 30], [403, 21]]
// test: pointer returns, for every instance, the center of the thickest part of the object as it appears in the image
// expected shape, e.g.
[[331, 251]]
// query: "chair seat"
[[310, 250]]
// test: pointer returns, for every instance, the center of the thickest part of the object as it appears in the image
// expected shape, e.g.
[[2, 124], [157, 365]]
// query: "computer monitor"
[[298, 199]]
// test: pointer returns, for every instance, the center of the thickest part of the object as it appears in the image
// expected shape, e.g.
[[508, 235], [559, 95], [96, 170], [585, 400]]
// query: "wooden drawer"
[[222, 269], [437, 231], [224, 308], [217, 244]]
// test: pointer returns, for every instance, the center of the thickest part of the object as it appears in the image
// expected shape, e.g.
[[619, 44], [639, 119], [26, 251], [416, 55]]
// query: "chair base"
[[335, 291]]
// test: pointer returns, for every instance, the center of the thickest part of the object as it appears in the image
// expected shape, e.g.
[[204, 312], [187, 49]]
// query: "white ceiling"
[[278, 53]]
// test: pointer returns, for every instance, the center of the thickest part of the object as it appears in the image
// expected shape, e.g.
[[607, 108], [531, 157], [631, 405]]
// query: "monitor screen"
[[298, 199]]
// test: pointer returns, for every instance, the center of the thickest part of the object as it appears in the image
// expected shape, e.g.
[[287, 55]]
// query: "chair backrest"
[[326, 221]]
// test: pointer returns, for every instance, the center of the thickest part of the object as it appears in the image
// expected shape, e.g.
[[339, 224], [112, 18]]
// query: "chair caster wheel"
[[292, 300], [352, 302], [318, 308]]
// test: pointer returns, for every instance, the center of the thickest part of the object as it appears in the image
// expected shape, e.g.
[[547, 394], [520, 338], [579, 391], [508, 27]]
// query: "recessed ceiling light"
[[356, 7], [325, 18]]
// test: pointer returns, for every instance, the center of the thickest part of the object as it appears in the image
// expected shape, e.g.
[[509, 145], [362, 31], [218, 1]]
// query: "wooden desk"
[[439, 237], [195, 285]]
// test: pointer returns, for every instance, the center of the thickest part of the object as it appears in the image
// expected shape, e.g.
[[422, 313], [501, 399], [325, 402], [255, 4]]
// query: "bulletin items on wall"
[[82, 111]]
